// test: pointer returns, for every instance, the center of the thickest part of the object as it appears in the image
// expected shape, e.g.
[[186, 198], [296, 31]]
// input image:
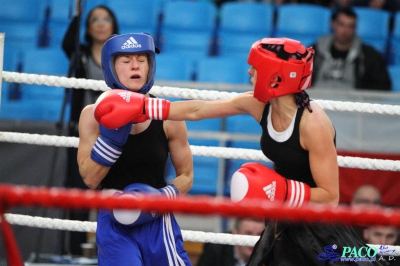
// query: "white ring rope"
[[216, 152], [186, 93], [188, 235]]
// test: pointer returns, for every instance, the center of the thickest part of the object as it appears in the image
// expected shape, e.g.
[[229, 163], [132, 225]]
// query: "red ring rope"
[[75, 198], [11, 196]]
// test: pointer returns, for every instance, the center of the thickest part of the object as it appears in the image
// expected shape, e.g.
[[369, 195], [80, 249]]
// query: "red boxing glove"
[[116, 108], [256, 181]]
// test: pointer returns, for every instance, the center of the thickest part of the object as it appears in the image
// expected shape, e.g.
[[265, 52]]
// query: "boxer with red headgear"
[[301, 144], [286, 65]]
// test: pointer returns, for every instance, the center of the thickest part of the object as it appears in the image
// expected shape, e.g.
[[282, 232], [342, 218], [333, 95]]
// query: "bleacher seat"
[[222, 69], [373, 27], [46, 61], [303, 22], [20, 20], [241, 24], [21, 11], [135, 16], [11, 57], [394, 55], [61, 13], [21, 36], [173, 67], [394, 72], [188, 27], [206, 169], [38, 102]]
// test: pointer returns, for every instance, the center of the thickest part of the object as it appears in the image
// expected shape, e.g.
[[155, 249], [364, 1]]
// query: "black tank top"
[[290, 159], [143, 160]]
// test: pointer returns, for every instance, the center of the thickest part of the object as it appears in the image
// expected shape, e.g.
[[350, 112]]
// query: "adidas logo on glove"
[[270, 190], [126, 96]]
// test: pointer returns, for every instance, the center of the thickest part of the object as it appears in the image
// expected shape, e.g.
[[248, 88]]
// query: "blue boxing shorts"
[[158, 242]]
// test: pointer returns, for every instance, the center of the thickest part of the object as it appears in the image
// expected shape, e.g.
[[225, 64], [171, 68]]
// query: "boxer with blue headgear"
[[129, 161], [132, 43]]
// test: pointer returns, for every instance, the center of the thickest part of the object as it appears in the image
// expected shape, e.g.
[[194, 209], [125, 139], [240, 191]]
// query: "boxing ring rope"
[[216, 152], [11, 196], [185, 93]]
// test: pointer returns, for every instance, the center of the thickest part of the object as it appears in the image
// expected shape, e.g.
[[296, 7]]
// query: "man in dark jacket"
[[343, 61], [228, 255]]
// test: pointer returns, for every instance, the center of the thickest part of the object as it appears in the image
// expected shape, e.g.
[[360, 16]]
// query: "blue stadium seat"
[[172, 66], [56, 34], [61, 13], [46, 61], [373, 27], [303, 22], [206, 169], [21, 11], [135, 16], [188, 27], [394, 40], [222, 69], [21, 36], [394, 72], [20, 20], [11, 58], [241, 24]]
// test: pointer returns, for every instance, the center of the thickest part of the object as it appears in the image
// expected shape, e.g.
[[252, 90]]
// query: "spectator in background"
[[388, 5], [366, 195], [100, 24], [383, 236], [228, 255], [336, 4], [342, 61]]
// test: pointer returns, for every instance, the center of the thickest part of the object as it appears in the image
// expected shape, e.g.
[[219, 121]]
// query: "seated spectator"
[[366, 195], [342, 61], [388, 5], [383, 236], [229, 255]]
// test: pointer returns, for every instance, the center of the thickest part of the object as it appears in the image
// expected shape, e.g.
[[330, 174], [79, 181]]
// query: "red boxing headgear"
[[284, 66]]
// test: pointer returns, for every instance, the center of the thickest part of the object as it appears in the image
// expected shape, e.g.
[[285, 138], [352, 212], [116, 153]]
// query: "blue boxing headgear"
[[132, 43]]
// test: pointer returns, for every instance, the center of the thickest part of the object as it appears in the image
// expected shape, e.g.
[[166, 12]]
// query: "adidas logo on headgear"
[[131, 43]]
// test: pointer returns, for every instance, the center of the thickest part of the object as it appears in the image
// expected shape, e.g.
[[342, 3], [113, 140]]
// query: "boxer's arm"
[[317, 135], [91, 172], [181, 155], [243, 103]]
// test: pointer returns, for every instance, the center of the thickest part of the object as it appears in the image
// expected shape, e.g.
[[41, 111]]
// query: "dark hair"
[[347, 10], [88, 38]]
